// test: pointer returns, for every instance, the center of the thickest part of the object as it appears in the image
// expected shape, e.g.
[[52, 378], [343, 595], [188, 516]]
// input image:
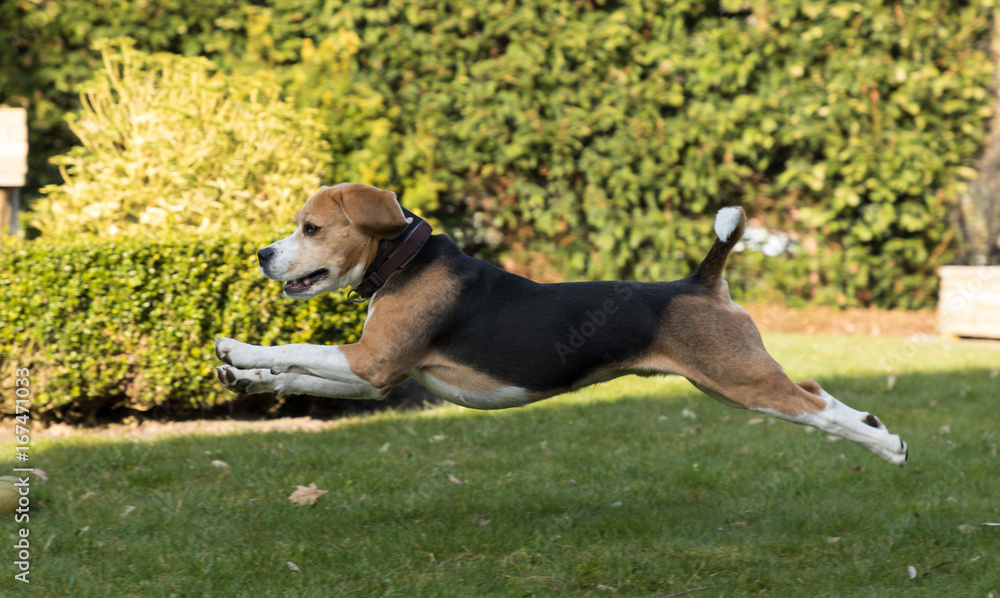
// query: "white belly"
[[498, 398]]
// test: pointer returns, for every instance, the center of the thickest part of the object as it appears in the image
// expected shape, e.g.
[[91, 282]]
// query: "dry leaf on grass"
[[448, 463], [128, 509], [755, 421], [220, 464], [88, 495], [306, 495], [384, 448], [292, 566], [41, 474], [454, 480]]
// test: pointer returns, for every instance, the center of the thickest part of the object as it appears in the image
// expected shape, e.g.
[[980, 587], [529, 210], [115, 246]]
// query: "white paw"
[[895, 450], [246, 382], [900, 455], [235, 353]]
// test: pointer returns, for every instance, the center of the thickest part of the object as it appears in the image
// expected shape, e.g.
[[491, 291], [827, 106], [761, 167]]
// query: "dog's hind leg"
[[730, 364], [714, 343]]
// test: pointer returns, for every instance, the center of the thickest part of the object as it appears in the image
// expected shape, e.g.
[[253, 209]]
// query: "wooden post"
[[13, 164], [5, 215]]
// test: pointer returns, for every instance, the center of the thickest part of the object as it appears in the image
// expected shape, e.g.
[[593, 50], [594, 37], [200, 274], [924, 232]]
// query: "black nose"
[[265, 255]]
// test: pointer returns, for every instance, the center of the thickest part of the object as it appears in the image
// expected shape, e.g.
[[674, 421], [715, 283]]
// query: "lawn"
[[640, 487]]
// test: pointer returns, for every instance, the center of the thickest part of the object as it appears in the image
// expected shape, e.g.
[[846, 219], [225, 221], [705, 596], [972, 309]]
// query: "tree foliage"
[[596, 140]]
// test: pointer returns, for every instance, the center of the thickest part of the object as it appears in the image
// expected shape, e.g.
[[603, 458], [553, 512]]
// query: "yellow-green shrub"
[[168, 144]]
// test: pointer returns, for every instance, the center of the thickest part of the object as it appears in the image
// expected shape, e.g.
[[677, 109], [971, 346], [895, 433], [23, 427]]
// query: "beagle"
[[484, 338]]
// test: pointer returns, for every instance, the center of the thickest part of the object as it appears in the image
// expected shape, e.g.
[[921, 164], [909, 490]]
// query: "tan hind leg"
[[808, 404], [713, 343]]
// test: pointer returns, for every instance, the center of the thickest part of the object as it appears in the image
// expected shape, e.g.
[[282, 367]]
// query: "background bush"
[[614, 133], [168, 145], [130, 325], [596, 140]]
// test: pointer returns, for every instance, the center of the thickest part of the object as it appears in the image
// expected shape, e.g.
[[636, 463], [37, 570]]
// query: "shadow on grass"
[[657, 490]]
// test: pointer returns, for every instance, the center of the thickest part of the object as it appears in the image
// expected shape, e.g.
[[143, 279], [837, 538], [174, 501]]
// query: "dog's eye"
[[310, 229]]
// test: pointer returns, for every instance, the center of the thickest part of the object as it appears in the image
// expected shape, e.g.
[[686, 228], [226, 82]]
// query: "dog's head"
[[337, 236]]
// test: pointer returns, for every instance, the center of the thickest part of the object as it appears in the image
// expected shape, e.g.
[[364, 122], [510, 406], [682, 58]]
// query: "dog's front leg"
[[263, 381], [327, 362]]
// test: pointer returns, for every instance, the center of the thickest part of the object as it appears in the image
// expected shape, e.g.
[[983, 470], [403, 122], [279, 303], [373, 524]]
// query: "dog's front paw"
[[246, 382], [235, 353]]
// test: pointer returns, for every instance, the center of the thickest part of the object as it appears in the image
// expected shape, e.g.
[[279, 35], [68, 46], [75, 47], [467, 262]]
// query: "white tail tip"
[[726, 222]]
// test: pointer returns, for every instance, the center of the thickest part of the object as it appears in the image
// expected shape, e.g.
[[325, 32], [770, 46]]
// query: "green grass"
[[626, 492]]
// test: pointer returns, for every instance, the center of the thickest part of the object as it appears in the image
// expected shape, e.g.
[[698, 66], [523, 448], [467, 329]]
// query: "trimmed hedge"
[[131, 324], [611, 131]]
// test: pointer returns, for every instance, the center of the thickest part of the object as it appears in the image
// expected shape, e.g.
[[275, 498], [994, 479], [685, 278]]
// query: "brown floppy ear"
[[372, 211]]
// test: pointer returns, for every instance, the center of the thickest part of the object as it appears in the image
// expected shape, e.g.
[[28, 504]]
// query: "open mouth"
[[300, 285]]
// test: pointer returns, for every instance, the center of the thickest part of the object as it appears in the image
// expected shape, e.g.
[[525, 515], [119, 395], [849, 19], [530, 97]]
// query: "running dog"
[[484, 338]]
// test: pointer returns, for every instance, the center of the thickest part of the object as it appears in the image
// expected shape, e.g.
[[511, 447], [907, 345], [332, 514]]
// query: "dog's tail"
[[729, 226]]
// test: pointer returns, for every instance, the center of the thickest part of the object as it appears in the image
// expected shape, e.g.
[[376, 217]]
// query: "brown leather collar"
[[397, 260]]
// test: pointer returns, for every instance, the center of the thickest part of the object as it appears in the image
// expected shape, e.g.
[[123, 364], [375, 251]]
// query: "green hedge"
[[613, 133], [595, 140], [131, 324]]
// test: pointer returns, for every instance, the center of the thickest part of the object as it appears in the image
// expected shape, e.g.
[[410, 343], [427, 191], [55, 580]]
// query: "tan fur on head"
[[372, 211], [339, 229]]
